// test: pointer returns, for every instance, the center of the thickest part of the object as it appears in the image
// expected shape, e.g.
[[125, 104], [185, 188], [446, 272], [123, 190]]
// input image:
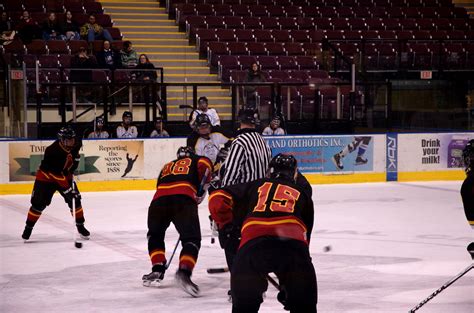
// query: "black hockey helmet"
[[66, 132], [184, 152], [468, 155], [99, 121], [248, 116], [202, 119], [283, 165], [127, 114]]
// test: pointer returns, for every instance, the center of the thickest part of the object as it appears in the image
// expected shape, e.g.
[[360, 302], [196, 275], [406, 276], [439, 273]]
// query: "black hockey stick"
[[172, 255], [446, 285], [273, 282], [77, 243]]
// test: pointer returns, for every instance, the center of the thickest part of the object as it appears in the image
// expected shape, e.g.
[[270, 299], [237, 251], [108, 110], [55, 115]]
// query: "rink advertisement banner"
[[113, 159], [100, 160], [392, 157], [428, 152], [318, 154]]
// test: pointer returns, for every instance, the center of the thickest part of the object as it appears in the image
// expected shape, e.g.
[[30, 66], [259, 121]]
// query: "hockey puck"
[[78, 245], [327, 248]]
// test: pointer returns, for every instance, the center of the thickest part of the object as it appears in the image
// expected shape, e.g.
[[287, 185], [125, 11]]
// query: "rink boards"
[[386, 157]]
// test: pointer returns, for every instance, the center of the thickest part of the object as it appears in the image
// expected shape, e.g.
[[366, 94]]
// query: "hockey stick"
[[203, 181], [172, 255], [272, 281], [446, 285], [77, 243]]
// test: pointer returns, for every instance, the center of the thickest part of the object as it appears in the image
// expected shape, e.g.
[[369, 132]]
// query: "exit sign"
[[426, 74], [16, 74]]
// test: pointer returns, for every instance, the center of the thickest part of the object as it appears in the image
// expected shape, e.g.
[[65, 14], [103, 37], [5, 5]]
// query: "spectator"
[[82, 61], [28, 29], [128, 56], [51, 28], [254, 75], [144, 63], [108, 57], [99, 131], [69, 28], [203, 108], [93, 31], [7, 29], [126, 129], [159, 131], [274, 129]]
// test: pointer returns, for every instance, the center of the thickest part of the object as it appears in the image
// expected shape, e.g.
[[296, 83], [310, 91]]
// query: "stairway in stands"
[[468, 4], [147, 26]]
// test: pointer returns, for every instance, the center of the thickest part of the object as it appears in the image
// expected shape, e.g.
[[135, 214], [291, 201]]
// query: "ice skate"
[[26, 233], [337, 160], [183, 278], [83, 232], [153, 279], [360, 161]]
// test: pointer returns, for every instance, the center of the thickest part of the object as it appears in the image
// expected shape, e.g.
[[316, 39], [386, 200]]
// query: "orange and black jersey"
[[467, 194], [270, 207], [183, 177], [59, 163]]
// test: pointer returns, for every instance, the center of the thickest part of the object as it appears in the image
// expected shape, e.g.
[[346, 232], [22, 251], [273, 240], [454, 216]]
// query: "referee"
[[249, 154], [248, 160]]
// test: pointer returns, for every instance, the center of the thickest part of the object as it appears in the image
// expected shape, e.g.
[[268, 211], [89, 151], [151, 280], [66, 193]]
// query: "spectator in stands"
[[203, 108], [51, 28], [254, 75], [93, 31], [274, 129], [28, 29], [82, 61], [144, 63], [128, 55], [108, 57], [99, 131], [69, 28], [159, 131], [126, 129], [7, 29]]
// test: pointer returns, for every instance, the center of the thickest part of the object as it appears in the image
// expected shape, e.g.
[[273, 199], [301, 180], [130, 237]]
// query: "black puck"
[[78, 245]]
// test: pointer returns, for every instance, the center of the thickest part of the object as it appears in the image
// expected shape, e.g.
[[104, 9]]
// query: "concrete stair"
[[468, 4], [147, 26]]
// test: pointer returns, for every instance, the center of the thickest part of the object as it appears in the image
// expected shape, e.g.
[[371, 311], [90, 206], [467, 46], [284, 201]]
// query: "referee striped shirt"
[[248, 158]]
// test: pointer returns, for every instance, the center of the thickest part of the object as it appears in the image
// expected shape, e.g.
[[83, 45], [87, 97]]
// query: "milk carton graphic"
[[455, 148]]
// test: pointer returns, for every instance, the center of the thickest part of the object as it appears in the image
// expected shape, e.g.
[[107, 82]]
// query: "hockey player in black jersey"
[[60, 161], [276, 225], [467, 189], [179, 190]]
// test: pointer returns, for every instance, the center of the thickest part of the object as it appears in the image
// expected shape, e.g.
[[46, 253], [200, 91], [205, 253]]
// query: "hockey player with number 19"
[[467, 189]]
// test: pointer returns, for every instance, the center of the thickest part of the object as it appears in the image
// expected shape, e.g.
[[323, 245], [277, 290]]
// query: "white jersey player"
[[206, 142]]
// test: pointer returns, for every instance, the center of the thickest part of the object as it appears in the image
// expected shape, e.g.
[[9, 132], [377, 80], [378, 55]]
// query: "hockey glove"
[[228, 233], [71, 194]]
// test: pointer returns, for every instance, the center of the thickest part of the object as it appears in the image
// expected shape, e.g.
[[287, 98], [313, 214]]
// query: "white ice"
[[393, 244]]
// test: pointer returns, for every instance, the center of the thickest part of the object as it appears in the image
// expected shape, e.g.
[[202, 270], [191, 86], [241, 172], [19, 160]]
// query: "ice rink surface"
[[393, 244]]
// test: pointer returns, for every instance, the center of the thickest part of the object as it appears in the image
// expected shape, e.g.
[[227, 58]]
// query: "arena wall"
[[390, 157]]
